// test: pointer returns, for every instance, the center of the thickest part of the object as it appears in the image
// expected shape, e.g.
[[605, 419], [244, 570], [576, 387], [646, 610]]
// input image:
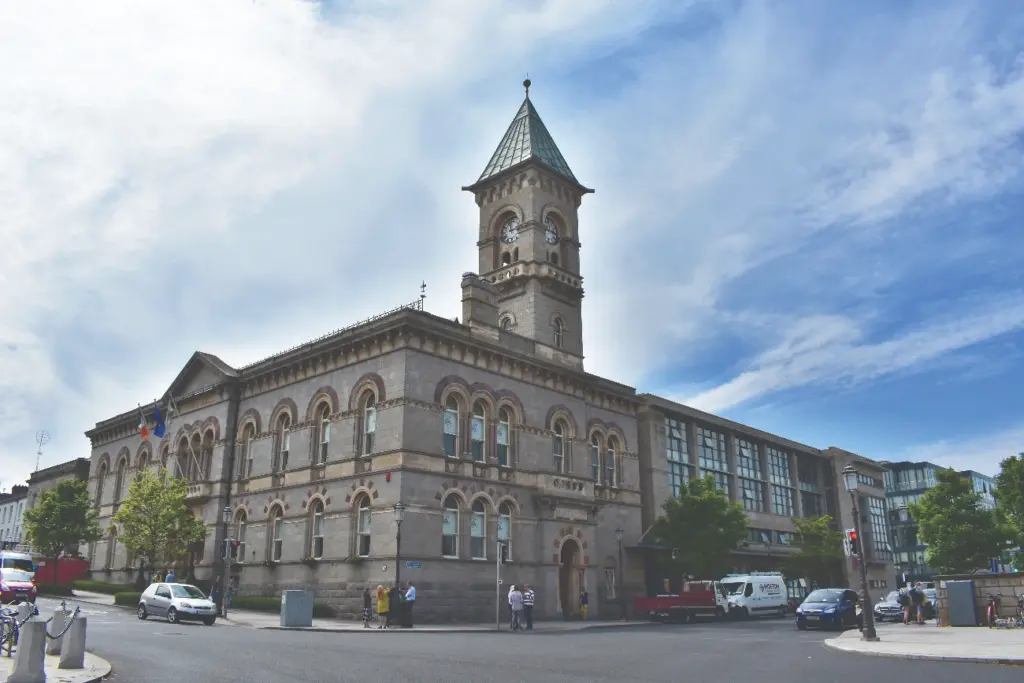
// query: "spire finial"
[[526, 84]]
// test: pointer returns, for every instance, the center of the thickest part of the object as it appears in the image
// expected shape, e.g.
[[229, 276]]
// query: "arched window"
[[195, 455], [275, 533], [101, 477], [505, 530], [553, 257], [478, 432], [506, 324], [368, 420], [504, 437], [478, 531], [245, 457], [142, 464], [165, 455], [558, 447], [611, 462], [559, 333], [206, 459], [506, 258], [323, 430], [111, 549], [595, 457], [282, 442], [450, 527], [316, 530], [181, 458], [241, 522], [451, 427], [364, 526], [122, 467]]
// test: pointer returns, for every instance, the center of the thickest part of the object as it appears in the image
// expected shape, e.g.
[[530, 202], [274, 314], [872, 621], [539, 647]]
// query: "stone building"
[[12, 508], [483, 428], [47, 478]]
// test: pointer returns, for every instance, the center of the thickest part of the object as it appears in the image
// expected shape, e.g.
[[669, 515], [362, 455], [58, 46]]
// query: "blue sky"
[[807, 214]]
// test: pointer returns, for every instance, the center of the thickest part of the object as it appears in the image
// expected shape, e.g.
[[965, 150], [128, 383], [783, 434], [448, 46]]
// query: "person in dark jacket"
[[367, 607]]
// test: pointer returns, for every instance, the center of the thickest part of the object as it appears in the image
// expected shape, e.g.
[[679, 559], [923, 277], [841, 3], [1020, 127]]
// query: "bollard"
[[24, 610], [57, 625], [72, 655], [30, 655]]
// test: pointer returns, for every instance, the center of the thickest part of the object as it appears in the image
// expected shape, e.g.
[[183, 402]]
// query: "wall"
[[1006, 586]]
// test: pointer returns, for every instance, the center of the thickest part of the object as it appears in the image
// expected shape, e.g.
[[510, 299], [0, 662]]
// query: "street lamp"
[[867, 612], [619, 533], [222, 598], [904, 512], [399, 516]]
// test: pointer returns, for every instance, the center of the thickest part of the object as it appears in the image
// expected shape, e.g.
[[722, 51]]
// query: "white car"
[[177, 602]]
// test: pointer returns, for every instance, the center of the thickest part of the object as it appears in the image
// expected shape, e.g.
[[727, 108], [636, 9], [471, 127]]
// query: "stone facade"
[[1007, 587]]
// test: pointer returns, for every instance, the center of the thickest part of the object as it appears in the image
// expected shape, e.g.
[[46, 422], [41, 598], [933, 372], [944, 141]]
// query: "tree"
[[962, 536], [156, 524], [702, 528], [1010, 495], [821, 551], [62, 519]]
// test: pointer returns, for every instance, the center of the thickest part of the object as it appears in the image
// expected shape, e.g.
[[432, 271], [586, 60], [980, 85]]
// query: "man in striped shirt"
[[528, 599]]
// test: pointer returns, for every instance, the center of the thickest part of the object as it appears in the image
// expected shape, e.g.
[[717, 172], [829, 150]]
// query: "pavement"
[[943, 644], [770, 650]]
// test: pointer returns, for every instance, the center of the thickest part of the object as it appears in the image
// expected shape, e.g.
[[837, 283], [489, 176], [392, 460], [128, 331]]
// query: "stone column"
[[56, 626], [30, 655], [72, 654]]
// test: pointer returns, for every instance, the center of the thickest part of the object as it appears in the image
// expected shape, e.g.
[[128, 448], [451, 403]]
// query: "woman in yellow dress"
[[383, 607]]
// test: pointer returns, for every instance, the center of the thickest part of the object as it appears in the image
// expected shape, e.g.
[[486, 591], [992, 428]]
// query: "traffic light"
[[230, 549], [852, 543]]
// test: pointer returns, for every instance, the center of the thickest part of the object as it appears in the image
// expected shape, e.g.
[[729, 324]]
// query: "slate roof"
[[526, 138]]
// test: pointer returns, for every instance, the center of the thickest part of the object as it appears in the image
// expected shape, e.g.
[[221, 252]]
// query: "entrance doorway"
[[569, 578]]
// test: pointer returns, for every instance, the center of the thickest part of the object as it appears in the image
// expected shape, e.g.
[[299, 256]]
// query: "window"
[[711, 455], [450, 527], [558, 448], [879, 528], [276, 534], [195, 450], [100, 477], [478, 432], [165, 455], [206, 457], [504, 429], [505, 530], [609, 582], [240, 525], [506, 324], [364, 526], [478, 532], [785, 538], [122, 467], [283, 442], [611, 457], [750, 495], [811, 504], [317, 531], [143, 464], [245, 462], [595, 457], [778, 466], [111, 549], [451, 428], [368, 422], [748, 466], [678, 456], [323, 423], [782, 500], [559, 333]]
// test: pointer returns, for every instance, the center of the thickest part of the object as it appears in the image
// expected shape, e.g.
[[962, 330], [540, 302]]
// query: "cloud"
[[980, 453]]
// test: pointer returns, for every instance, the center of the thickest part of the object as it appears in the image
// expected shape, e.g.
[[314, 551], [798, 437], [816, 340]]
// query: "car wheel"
[[209, 621], [172, 616], [879, 618], [745, 614], [142, 611], [801, 624]]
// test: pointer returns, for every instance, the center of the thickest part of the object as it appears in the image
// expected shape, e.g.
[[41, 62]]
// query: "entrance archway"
[[569, 577]]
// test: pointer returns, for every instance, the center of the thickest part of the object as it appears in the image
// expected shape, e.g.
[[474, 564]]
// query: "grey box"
[[960, 600], [296, 608]]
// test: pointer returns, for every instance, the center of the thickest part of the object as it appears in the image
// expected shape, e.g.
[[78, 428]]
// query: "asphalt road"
[[770, 650]]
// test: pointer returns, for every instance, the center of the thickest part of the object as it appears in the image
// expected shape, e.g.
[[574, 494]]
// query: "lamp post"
[[867, 612], [619, 533], [399, 516], [222, 597], [903, 514]]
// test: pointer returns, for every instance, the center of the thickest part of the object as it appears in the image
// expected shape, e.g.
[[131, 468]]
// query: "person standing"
[[410, 601], [528, 599], [584, 603], [170, 578], [511, 590], [367, 607], [382, 607], [515, 600]]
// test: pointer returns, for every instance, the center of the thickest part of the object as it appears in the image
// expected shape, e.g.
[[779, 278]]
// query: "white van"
[[756, 593]]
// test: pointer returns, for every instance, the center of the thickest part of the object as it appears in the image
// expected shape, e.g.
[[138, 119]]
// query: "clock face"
[[510, 230], [550, 231]]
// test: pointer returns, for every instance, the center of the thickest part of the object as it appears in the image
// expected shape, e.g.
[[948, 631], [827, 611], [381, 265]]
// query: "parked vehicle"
[[177, 602], [829, 608], [756, 593], [16, 586], [11, 559], [698, 599], [889, 607]]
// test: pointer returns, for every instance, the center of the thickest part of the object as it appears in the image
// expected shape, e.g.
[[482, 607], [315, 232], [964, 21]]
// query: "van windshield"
[[24, 565], [733, 587]]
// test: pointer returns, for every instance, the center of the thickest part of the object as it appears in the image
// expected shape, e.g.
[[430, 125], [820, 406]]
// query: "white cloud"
[[980, 453]]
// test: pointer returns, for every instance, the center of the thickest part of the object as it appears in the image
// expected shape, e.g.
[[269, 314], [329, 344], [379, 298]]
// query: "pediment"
[[201, 371]]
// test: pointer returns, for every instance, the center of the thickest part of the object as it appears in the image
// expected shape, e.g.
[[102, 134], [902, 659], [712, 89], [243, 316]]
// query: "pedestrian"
[[917, 599], [904, 600], [215, 590], [396, 605], [367, 607], [528, 599], [515, 600], [170, 578], [511, 590], [382, 607], [410, 601], [584, 603]]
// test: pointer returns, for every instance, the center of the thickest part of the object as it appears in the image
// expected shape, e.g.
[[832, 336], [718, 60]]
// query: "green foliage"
[[127, 598], [703, 528], [57, 590], [962, 536], [821, 551], [1010, 495], [101, 587], [62, 519], [264, 604], [156, 524]]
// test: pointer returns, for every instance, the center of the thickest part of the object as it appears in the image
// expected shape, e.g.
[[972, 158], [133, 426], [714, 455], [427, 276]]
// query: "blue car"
[[829, 608]]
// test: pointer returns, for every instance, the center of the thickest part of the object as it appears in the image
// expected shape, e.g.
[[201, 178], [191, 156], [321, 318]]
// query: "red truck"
[[698, 599]]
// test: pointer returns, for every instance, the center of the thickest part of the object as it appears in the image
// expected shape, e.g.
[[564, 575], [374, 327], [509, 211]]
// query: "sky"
[[807, 215]]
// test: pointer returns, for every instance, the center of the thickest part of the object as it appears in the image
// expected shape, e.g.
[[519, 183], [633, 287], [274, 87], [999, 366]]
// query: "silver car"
[[177, 602]]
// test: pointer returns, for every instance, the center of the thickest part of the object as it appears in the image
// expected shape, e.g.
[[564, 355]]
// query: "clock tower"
[[529, 241]]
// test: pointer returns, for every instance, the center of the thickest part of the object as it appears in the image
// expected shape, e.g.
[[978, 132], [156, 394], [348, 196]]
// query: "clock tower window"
[[559, 333]]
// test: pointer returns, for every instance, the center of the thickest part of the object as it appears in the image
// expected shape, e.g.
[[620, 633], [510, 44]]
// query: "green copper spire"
[[526, 138]]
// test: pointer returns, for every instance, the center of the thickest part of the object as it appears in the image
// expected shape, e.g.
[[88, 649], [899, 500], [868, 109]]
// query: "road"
[[770, 651]]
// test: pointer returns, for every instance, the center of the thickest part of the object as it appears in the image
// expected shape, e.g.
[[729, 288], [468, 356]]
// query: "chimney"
[[478, 307]]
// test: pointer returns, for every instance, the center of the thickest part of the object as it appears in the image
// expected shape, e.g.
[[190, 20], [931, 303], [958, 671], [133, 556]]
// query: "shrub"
[[127, 598], [273, 605], [102, 587], [60, 590]]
